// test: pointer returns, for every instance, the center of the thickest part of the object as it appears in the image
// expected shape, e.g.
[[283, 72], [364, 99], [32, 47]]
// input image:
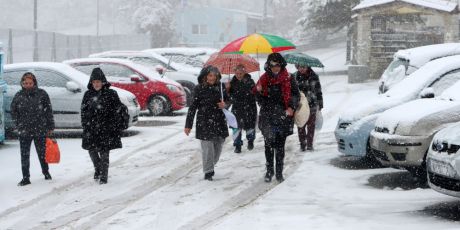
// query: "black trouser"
[[40, 146], [274, 148], [100, 159]]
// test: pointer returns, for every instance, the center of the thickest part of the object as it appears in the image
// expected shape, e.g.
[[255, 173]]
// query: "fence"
[[19, 45]]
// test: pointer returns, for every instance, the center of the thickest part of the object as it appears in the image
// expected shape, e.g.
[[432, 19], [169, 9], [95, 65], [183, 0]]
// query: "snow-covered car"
[[355, 124], [443, 161], [158, 63], [408, 61], [160, 95], [65, 86], [192, 56], [403, 134]]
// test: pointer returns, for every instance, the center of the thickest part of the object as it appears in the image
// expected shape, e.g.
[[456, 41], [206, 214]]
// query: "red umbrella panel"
[[227, 62]]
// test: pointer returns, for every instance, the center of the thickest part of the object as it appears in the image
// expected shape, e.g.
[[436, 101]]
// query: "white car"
[[402, 135], [192, 56], [65, 86], [443, 161], [355, 124], [187, 78], [408, 61]]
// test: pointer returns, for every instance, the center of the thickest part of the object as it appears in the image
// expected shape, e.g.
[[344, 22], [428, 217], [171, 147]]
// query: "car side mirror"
[[135, 78], [427, 93], [160, 69], [72, 87]]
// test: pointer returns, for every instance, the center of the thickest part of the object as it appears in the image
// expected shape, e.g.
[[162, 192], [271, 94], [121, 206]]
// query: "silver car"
[[402, 135], [443, 161], [65, 86]]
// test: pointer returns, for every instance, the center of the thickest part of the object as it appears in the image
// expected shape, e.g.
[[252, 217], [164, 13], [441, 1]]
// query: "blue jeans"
[[237, 136]]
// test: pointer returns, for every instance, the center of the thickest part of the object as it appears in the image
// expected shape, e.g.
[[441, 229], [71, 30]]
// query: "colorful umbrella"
[[302, 59], [257, 44], [227, 62]]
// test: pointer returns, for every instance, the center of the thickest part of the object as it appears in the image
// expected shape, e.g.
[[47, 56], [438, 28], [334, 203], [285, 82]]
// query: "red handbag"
[[52, 154]]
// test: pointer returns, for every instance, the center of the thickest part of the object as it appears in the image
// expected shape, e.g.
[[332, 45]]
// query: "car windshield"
[[189, 60], [150, 62], [395, 72]]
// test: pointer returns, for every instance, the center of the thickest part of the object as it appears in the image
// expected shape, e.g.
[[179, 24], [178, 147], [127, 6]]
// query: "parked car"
[[443, 161], [3, 88], [192, 56], [65, 86], [158, 95], [355, 124], [403, 134], [408, 61], [158, 63]]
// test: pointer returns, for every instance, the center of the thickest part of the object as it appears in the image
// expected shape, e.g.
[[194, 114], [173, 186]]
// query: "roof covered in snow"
[[441, 5]]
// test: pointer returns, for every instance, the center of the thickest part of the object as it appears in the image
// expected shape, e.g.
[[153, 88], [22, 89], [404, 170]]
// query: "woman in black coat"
[[100, 122], [33, 117], [243, 106], [275, 118], [211, 126]]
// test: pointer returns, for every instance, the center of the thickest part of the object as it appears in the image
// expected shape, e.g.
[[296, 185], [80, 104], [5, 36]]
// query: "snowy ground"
[[156, 182]]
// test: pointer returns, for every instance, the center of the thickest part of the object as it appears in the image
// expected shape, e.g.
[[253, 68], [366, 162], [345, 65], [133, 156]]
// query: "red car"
[[159, 95]]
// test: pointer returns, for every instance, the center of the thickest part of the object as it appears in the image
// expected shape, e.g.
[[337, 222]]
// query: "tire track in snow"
[[83, 178]]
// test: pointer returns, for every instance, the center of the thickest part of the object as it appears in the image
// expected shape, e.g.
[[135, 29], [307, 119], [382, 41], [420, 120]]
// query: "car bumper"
[[399, 151], [351, 143], [179, 102], [133, 115], [444, 172]]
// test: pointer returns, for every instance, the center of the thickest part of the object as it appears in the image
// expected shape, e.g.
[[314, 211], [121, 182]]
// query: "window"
[[85, 68], [199, 29], [445, 82], [49, 78], [13, 77], [114, 70]]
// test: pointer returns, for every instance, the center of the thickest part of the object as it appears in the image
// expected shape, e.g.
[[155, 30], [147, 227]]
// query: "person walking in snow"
[[310, 85], [32, 114], [274, 97], [211, 126], [100, 122], [243, 106]]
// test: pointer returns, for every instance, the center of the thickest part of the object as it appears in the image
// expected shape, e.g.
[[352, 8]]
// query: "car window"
[[150, 62], [85, 68], [13, 77], [114, 70], [445, 82], [46, 78]]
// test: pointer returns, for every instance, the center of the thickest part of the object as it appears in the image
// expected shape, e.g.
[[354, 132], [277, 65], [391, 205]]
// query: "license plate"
[[441, 169]]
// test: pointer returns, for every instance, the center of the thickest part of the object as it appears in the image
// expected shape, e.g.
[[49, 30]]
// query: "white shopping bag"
[[231, 119]]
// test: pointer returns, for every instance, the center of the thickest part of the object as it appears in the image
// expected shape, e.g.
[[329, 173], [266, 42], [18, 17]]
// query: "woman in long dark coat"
[[100, 122], [243, 107], [275, 118], [33, 117], [211, 126]]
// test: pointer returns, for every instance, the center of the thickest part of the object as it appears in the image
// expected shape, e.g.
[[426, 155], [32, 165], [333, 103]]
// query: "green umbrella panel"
[[302, 59]]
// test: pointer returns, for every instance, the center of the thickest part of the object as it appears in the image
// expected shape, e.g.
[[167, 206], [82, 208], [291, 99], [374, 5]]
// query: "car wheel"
[[158, 105]]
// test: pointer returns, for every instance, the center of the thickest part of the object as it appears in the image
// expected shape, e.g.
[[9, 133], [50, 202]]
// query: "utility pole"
[[35, 54], [97, 18]]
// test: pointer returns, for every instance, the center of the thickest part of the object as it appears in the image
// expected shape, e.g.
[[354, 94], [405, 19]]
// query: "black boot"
[[24, 181], [103, 180], [279, 173], [47, 176], [238, 149], [208, 176], [97, 174], [250, 145], [269, 173]]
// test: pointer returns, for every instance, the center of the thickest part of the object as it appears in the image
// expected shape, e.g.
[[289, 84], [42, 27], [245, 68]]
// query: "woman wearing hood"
[[33, 117], [273, 93], [211, 126], [100, 122], [243, 106]]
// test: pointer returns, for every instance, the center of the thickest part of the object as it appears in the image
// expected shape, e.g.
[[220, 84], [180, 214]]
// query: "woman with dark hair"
[[244, 106], [275, 118], [310, 85], [100, 122], [211, 126], [33, 118]]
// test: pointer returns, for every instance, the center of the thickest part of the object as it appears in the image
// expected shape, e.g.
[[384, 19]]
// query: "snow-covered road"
[[156, 182]]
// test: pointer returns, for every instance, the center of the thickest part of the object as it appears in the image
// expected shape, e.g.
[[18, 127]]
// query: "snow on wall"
[[441, 5]]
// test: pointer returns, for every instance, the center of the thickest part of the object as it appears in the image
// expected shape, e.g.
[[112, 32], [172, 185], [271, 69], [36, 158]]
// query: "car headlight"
[[173, 88], [439, 146]]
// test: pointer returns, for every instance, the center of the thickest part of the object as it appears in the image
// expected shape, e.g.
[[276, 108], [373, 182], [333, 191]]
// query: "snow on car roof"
[[418, 56], [142, 69], [422, 77], [188, 51], [76, 75], [441, 5], [126, 53]]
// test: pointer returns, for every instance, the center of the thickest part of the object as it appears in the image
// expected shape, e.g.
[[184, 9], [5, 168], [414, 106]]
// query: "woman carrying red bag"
[[33, 118]]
